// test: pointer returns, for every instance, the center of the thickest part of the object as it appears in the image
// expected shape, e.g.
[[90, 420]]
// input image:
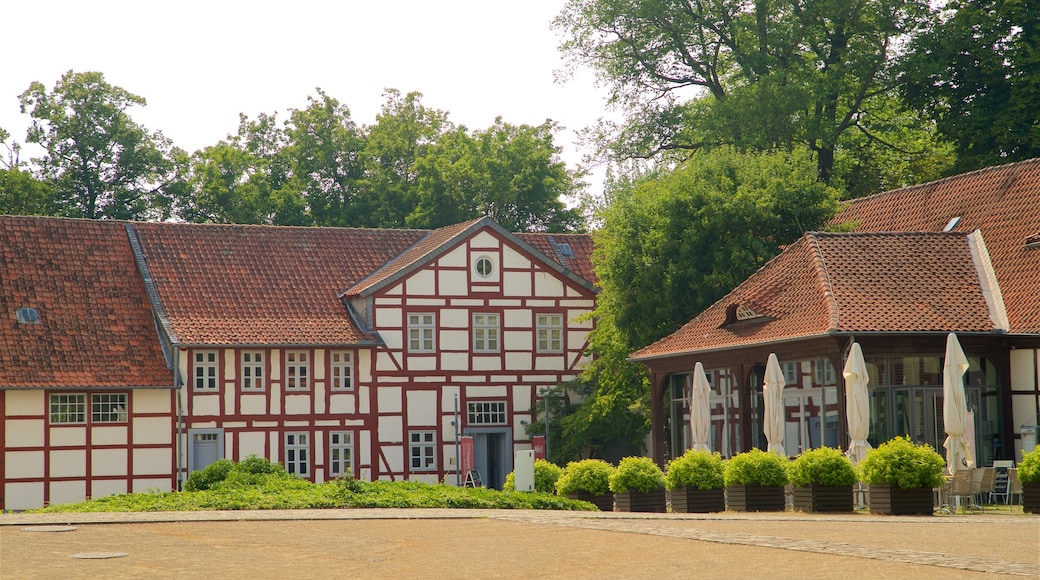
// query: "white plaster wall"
[[253, 404], [298, 404], [108, 461], [23, 464], [276, 364], [364, 449], [18, 403], [521, 398], [484, 240], [394, 340], [67, 492], [550, 363], [230, 395], [1023, 368], [251, 443], [455, 361], [391, 429], [518, 361], [487, 363], [205, 405], [518, 340], [546, 284], [152, 461], [275, 393], [514, 259], [68, 463], [453, 282], [150, 401], [363, 365], [23, 496], [454, 259], [389, 399], [518, 318], [151, 485], [422, 408], [516, 283], [454, 318], [420, 283], [105, 488], [23, 432], [108, 435], [422, 363], [481, 391], [453, 340], [394, 458], [389, 317], [230, 364], [430, 478], [364, 400], [342, 404], [318, 368], [448, 395], [148, 430], [68, 436]]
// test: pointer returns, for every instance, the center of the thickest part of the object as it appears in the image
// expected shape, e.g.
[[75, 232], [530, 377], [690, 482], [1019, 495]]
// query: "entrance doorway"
[[491, 456], [205, 447]]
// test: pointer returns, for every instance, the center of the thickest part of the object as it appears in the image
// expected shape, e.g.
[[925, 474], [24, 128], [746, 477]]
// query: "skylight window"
[[952, 224], [28, 316]]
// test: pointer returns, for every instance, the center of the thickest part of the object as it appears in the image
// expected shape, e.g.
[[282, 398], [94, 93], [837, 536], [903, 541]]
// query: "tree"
[[101, 163], [23, 194], [757, 75], [977, 75], [509, 173], [324, 147]]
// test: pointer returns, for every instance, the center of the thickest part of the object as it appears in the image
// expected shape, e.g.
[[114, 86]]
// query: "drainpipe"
[[180, 413]]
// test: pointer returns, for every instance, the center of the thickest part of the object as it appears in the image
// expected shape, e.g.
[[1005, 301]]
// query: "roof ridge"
[[824, 279], [959, 176]]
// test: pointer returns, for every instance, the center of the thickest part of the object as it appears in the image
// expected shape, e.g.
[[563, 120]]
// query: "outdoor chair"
[[1014, 487], [982, 485], [959, 488]]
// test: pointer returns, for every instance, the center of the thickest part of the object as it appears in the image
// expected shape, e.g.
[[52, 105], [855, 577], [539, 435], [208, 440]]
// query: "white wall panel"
[[152, 461], [23, 496], [422, 408], [67, 492], [24, 403], [105, 488], [108, 461], [391, 429], [23, 464], [24, 432]]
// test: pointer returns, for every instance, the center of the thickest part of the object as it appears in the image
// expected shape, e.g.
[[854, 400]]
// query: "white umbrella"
[[857, 404], [955, 408], [700, 411], [773, 393]]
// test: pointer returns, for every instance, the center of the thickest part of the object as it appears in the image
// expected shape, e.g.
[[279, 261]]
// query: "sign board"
[[538, 443], [473, 479], [466, 453], [523, 470]]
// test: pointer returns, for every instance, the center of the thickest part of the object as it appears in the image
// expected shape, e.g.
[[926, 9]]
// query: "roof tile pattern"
[[845, 282], [580, 244], [96, 328], [263, 285], [1003, 202]]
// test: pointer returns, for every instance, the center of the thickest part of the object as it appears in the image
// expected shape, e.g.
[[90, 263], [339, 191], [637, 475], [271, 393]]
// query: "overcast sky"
[[200, 63]]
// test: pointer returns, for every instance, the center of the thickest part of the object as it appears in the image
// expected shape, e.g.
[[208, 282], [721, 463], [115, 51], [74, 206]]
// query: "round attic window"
[[484, 266]]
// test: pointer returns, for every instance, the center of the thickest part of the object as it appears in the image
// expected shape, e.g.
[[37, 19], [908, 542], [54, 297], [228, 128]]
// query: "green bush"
[[904, 464], [756, 467], [545, 476], [588, 475], [695, 470], [824, 466], [636, 474], [1029, 467], [209, 476]]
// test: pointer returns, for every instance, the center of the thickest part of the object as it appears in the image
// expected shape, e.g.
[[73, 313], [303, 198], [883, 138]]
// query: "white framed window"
[[108, 408], [422, 449], [298, 453], [486, 412], [484, 266], [824, 372], [790, 372], [549, 328], [252, 370], [421, 328], [68, 408], [341, 453], [485, 332], [342, 370], [297, 370], [205, 370]]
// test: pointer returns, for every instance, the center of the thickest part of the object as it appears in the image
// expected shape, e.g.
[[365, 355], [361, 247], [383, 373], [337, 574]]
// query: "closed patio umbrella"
[[773, 393], [700, 411], [857, 404], [955, 408]]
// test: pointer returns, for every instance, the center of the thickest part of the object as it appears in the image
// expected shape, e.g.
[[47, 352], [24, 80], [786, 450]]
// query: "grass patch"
[[252, 486]]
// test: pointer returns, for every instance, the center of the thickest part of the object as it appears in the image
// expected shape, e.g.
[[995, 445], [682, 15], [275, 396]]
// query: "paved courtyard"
[[512, 544]]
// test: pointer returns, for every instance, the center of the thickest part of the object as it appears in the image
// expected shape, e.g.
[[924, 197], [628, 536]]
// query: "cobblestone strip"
[[798, 545]]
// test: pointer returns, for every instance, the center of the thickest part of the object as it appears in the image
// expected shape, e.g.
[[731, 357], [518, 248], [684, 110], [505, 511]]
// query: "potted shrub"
[[638, 486], [901, 476], [755, 481], [1029, 476], [695, 482], [822, 480], [588, 480], [545, 476]]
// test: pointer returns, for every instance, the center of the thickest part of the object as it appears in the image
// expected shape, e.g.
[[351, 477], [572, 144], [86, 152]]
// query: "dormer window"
[[742, 313], [952, 224], [28, 316]]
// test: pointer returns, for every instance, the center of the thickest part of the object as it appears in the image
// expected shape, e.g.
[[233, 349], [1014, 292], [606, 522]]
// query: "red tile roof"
[[555, 247], [96, 328], [1003, 202], [263, 285], [898, 282]]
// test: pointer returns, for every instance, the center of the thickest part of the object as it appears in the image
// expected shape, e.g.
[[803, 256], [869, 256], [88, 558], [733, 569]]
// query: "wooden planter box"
[[889, 499], [820, 498], [604, 501], [752, 498], [698, 501], [636, 501], [1031, 498]]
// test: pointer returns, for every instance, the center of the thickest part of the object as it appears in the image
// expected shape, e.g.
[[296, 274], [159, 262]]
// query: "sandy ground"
[[434, 544]]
